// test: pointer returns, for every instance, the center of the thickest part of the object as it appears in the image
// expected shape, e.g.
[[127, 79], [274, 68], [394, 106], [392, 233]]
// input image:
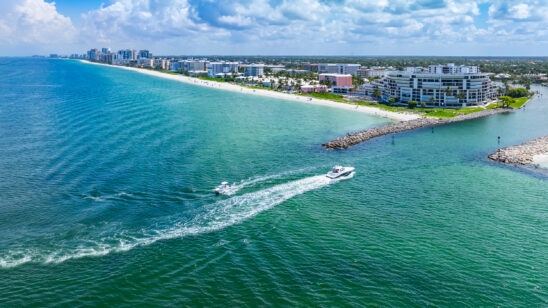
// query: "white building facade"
[[254, 70], [221, 68], [335, 68], [435, 89]]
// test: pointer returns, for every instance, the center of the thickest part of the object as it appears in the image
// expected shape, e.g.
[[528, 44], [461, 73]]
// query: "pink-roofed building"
[[340, 83]]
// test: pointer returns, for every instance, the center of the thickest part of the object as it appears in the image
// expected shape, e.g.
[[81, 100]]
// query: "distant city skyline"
[[277, 27]]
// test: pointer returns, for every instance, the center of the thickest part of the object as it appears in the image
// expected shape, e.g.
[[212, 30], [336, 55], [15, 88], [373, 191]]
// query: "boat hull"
[[346, 172]]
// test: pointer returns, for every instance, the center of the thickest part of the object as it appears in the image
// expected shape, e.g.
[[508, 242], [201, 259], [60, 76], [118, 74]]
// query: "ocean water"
[[105, 199]]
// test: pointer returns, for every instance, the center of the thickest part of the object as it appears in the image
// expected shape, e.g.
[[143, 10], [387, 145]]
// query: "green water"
[[105, 199]]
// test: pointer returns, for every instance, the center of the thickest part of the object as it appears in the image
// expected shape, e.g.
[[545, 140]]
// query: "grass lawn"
[[429, 112], [519, 102], [329, 96]]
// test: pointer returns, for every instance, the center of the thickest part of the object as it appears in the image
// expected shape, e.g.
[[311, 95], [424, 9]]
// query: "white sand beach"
[[237, 88], [541, 160]]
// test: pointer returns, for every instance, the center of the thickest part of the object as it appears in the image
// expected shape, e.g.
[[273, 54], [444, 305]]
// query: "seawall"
[[352, 139], [522, 154]]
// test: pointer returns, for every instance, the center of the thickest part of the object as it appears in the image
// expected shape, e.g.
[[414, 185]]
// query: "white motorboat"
[[222, 189], [339, 171]]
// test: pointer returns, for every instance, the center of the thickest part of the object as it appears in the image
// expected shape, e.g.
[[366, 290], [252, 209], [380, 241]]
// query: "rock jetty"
[[352, 139], [522, 154]]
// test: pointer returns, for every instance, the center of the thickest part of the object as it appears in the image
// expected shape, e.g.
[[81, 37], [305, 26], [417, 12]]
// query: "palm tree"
[[447, 91], [377, 93], [461, 96]]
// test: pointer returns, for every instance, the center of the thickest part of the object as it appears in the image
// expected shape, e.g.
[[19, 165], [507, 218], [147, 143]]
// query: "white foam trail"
[[108, 197], [217, 216], [235, 187]]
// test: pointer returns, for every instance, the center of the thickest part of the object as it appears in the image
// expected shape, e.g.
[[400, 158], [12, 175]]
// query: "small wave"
[[216, 216], [108, 197]]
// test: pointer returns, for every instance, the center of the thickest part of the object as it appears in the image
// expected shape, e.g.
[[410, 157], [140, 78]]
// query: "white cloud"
[[33, 22], [282, 26]]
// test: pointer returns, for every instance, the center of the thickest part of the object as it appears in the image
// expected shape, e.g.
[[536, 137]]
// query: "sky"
[[277, 27]]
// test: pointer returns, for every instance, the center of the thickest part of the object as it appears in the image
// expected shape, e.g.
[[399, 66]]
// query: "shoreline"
[[273, 94]]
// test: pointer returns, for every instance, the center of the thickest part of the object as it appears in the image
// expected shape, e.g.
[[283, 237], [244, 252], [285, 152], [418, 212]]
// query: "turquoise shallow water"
[[105, 179]]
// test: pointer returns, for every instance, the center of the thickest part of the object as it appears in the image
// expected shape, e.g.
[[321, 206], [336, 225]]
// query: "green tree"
[[519, 92], [377, 93], [412, 104], [506, 101], [357, 81]]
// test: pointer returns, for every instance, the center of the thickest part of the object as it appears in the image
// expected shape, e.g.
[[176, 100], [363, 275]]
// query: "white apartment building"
[[221, 68], [188, 65], [254, 70], [336, 68], [370, 73], [450, 68], [435, 89]]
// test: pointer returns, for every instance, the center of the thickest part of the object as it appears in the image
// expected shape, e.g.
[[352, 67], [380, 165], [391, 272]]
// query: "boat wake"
[[235, 187], [107, 197], [213, 217]]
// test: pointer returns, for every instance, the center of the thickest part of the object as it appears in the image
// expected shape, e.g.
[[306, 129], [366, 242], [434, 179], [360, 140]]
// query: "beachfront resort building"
[[443, 86], [340, 83], [190, 66], [219, 69], [254, 70], [314, 89]]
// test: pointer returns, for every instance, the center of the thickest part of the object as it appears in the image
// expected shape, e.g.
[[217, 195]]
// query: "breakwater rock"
[[521, 154], [368, 134]]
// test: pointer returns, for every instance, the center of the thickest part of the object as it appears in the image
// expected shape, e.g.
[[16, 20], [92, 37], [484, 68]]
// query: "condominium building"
[[221, 68], [161, 64], [450, 68], [335, 68], [188, 66], [370, 73], [93, 54], [127, 54], [254, 70], [340, 83], [449, 89], [276, 68], [310, 67], [144, 54]]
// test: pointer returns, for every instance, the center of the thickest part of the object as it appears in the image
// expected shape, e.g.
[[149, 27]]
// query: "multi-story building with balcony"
[[450, 88]]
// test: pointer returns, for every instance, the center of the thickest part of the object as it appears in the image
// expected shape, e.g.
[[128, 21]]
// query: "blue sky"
[[278, 27]]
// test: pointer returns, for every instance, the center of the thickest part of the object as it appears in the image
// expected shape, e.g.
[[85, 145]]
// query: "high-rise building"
[[93, 54], [145, 54], [218, 68], [127, 54], [254, 70]]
